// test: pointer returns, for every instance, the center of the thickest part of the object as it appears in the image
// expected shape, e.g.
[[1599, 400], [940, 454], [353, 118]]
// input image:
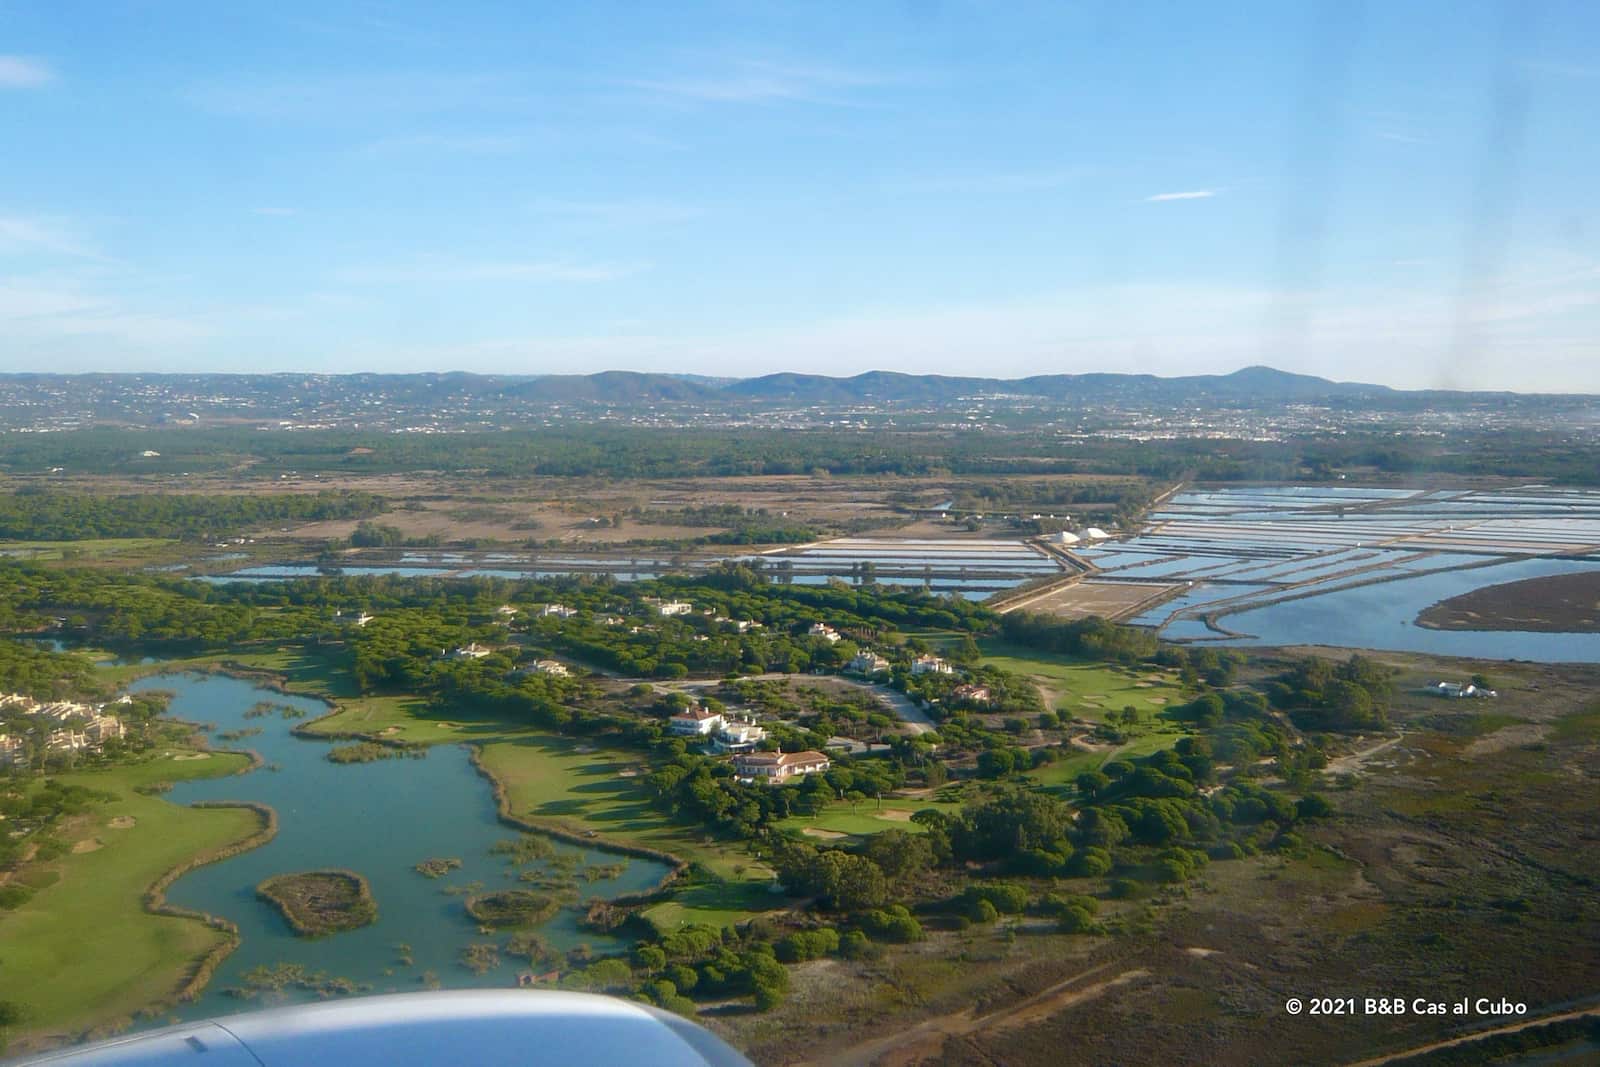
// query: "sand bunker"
[[88, 844], [192, 756], [826, 835], [122, 822]]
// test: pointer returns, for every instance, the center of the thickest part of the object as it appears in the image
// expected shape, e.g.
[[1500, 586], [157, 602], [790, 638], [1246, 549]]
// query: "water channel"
[[379, 819]]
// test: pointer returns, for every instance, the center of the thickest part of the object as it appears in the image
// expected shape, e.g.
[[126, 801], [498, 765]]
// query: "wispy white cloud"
[[42, 310], [626, 212], [342, 97], [1403, 138], [751, 81], [34, 235], [24, 72], [1016, 181], [482, 144], [1195, 194], [444, 271]]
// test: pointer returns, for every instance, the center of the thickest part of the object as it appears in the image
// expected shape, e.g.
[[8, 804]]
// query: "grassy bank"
[[582, 789], [84, 950], [1085, 689]]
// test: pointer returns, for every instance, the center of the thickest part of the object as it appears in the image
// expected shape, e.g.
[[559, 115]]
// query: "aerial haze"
[[1387, 193]]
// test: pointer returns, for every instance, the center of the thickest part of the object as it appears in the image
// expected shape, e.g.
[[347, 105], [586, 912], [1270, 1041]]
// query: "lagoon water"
[[378, 819], [1384, 617]]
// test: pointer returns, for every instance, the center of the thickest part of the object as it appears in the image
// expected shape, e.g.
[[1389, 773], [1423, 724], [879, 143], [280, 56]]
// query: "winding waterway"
[[379, 819]]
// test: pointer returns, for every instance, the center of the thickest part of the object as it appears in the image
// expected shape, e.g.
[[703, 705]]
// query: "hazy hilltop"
[[457, 399]]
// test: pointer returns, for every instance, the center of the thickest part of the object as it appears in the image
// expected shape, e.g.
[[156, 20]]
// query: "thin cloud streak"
[[1197, 194], [452, 271], [751, 82], [24, 72], [628, 212]]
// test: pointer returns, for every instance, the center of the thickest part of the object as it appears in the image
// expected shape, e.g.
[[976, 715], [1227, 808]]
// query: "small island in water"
[[513, 907], [321, 902], [1560, 603]]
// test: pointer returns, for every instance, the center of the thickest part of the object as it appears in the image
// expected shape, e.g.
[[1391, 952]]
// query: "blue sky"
[[1399, 191]]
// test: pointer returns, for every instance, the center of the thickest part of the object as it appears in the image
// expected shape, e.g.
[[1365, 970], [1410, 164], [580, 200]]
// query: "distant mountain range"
[[52, 400]]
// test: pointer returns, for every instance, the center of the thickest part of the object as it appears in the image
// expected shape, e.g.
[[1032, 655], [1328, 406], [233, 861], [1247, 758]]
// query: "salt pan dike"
[[1353, 567]]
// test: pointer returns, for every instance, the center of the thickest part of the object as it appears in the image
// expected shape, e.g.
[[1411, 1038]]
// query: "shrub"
[[1090, 863], [1007, 897], [1125, 889], [855, 945], [1077, 920], [14, 896]]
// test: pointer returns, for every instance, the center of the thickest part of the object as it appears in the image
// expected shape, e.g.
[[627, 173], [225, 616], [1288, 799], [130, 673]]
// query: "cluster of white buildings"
[[71, 727], [824, 631], [728, 734], [867, 662], [1455, 691]]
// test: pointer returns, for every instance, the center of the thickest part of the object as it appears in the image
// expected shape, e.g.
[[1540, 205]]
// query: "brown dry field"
[[1109, 600], [461, 508], [1562, 603], [1462, 862]]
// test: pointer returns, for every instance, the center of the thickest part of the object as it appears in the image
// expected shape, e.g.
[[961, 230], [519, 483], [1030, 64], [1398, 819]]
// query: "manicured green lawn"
[[1083, 688], [84, 949], [102, 548], [578, 787]]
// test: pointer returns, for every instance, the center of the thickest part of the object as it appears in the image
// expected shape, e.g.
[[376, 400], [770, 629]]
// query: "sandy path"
[[1468, 1039], [918, 1042], [1356, 760]]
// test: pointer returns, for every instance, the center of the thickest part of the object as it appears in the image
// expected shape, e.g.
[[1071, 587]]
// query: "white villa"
[[671, 607], [868, 663], [696, 721], [775, 768], [551, 667], [824, 631], [738, 736], [472, 651], [931, 665]]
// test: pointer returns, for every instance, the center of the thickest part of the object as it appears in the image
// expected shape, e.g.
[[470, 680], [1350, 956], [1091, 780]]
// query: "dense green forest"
[[36, 514], [625, 452]]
